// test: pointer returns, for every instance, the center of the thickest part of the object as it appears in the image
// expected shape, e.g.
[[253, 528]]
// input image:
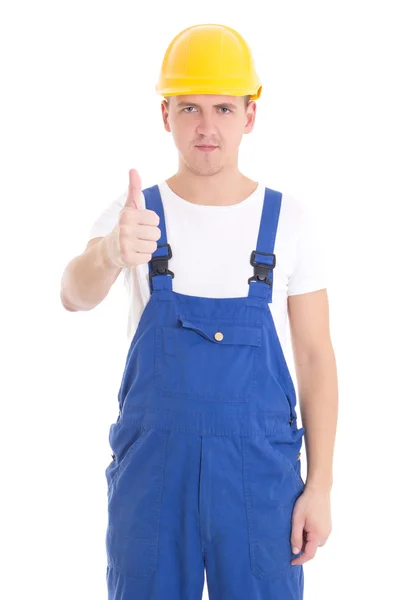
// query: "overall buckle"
[[160, 266], [261, 271]]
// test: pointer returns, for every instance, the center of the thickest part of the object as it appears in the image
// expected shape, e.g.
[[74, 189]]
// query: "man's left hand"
[[311, 523]]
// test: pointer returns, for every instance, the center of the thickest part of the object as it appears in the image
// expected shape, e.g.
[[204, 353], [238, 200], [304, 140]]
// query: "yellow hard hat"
[[208, 59]]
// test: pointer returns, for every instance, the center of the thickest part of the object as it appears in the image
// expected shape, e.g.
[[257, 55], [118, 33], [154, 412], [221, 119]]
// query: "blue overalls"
[[206, 469]]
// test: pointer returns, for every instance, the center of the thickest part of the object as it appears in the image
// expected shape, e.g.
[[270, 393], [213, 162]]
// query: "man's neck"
[[218, 190]]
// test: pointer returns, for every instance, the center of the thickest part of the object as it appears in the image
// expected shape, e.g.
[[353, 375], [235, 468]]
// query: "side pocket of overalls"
[[122, 440], [134, 505], [289, 452], [271, 488]]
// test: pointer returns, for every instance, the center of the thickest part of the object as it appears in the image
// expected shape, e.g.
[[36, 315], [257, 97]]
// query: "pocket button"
[[219, 336]]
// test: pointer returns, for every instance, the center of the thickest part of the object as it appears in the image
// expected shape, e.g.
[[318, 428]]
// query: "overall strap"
[[263, 258], [160, 277]]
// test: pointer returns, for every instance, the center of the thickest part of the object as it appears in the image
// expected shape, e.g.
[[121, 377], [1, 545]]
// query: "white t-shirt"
[[211, 248]]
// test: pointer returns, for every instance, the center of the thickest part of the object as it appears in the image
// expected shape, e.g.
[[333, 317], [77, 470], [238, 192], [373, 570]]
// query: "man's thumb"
[[135, 190]]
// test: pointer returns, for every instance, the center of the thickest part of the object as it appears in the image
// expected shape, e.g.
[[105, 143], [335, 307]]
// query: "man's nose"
[[206, 125]]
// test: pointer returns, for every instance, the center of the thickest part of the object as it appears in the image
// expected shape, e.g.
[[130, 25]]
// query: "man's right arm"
[[88, 278]]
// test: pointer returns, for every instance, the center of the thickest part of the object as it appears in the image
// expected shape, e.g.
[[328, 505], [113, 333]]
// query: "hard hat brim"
[[209, 91]]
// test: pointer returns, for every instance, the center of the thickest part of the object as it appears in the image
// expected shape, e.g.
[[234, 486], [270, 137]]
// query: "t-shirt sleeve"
[[108, 218], [309, 267]]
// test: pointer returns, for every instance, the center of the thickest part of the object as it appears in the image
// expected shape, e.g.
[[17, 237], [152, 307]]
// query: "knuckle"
[[126, 214], [154, 218], [324, 539], [321, 535], [126, 225]]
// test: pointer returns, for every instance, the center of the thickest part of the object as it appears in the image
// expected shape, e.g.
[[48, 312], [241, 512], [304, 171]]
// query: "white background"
[[78, 111]]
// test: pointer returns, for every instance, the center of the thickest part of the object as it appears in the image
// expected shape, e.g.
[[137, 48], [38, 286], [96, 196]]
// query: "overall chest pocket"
[[208, 360]]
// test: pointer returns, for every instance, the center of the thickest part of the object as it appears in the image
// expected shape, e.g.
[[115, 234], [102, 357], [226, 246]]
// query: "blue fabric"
[[205, 472]]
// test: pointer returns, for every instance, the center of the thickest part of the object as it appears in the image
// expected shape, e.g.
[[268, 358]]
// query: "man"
[[206, 448]]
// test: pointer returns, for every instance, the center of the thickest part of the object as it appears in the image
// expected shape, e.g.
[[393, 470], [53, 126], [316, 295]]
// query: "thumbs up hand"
[[134, 239]]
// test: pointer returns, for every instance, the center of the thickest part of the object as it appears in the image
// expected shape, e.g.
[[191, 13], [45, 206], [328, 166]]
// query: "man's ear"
[[250, 116], [165, 113]]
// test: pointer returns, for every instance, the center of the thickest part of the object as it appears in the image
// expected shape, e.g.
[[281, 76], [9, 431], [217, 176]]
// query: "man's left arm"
[[317, 385]]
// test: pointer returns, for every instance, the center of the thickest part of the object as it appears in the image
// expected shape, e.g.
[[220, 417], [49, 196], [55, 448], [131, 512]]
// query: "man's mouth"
[[206, 148]]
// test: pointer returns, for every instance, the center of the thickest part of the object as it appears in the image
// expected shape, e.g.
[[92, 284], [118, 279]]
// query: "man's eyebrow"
[[219, 105]]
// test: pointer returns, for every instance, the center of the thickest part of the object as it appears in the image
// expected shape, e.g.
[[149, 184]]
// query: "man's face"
[[208, 129]]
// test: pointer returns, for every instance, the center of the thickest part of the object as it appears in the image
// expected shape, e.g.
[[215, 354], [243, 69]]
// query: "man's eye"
[[225, 108], [188, 107]]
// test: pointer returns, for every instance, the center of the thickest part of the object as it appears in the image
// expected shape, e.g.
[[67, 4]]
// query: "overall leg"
[[153, 541], [248, 491]]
